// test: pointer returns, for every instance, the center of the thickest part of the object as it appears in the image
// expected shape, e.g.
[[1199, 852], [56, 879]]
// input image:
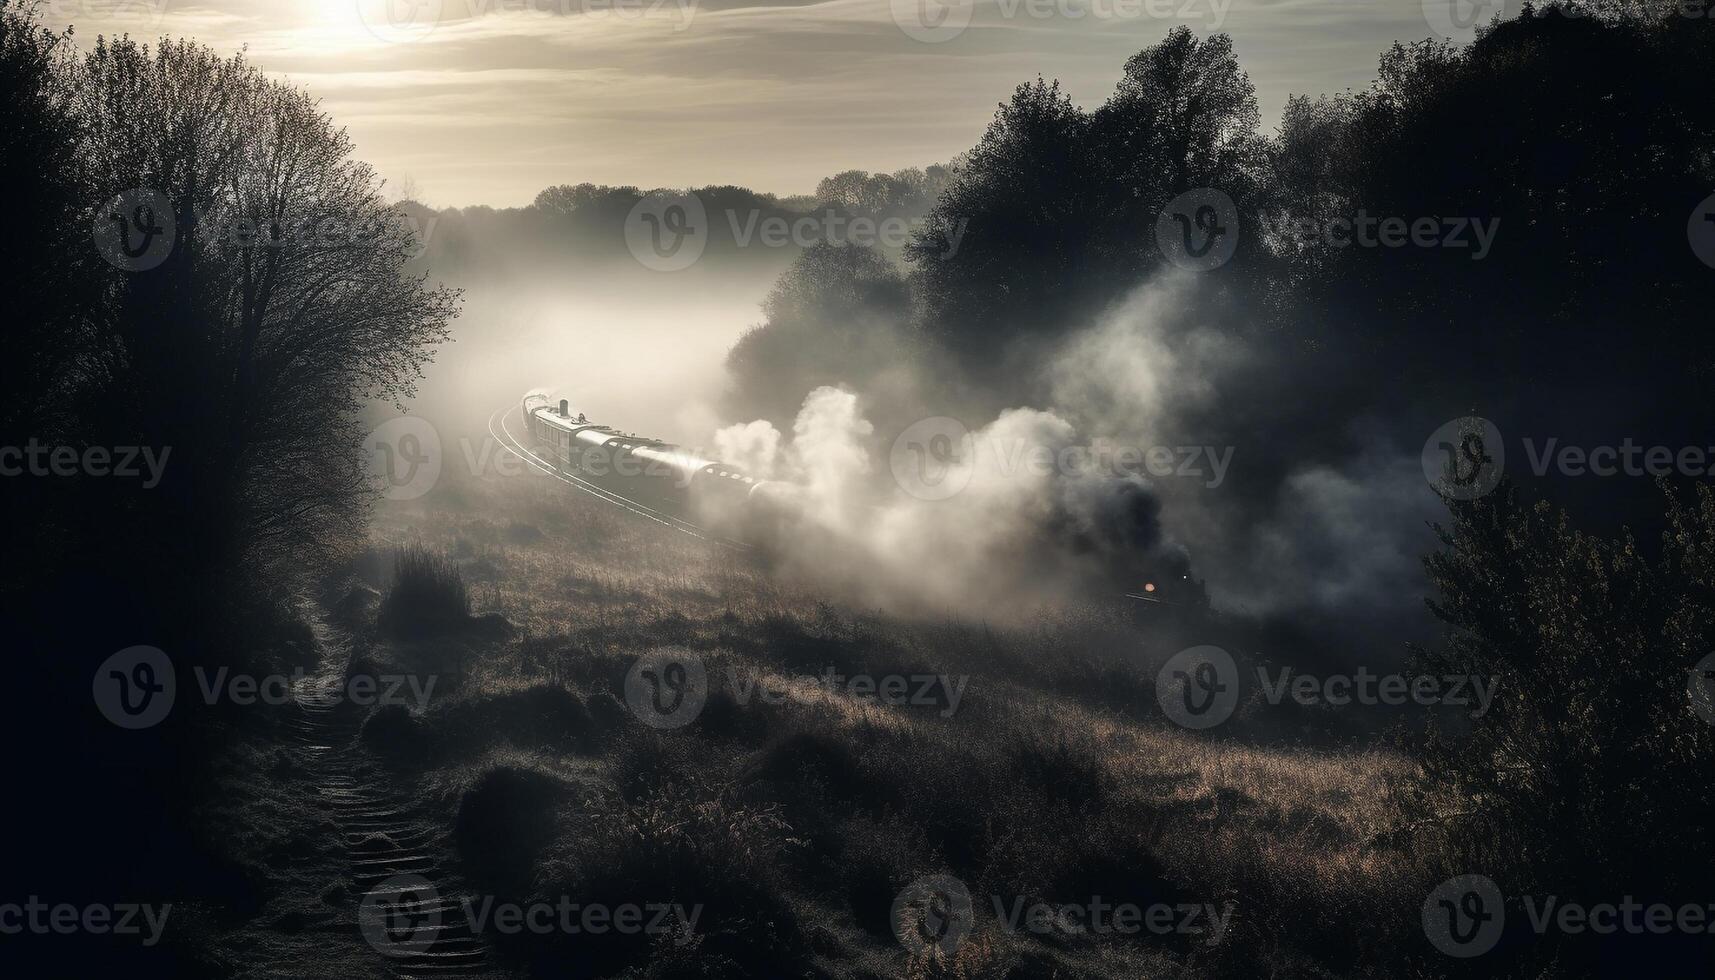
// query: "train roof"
[[713, 467]]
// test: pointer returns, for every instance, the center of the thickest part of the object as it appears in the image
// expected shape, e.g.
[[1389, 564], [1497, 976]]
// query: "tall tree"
[[1021, 202], [280, 309]]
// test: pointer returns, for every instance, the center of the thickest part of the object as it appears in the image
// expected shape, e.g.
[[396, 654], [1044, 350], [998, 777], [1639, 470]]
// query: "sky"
[[489, 101]]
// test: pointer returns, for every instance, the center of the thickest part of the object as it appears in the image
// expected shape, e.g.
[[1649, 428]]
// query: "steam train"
[[649, 470]]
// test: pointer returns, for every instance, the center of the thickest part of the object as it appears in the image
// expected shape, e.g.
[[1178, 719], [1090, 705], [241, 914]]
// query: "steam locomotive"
[[650, 470]]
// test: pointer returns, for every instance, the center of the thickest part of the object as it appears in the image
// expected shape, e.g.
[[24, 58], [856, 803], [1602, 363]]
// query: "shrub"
[[1590, 735], [428, 595], [504, 823], [545, 716]]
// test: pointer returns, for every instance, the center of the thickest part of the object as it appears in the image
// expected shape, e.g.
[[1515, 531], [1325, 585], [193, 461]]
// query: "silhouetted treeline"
[[205, 289], [1587, 777], [573, 230], [1556, 161]]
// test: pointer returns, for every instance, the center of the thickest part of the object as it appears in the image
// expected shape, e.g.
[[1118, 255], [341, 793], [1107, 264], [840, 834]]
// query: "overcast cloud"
[[492, 107]]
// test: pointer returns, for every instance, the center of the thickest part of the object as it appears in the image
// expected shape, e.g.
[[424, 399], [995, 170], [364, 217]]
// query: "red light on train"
[[1149, 586]]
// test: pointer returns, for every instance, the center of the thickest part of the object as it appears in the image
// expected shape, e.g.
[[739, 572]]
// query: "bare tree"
[[281, 309]]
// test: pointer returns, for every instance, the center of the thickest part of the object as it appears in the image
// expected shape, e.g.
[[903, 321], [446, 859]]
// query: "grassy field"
[[796, 822]]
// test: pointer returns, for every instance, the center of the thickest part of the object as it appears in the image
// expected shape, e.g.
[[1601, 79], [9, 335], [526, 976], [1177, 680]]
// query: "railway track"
[[502, 434], [409, 902]]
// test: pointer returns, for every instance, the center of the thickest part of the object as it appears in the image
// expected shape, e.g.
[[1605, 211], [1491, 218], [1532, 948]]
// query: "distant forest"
[[1586, 129]]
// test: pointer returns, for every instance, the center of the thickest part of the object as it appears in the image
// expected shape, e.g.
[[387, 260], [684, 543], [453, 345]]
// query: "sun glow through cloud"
[[488, 102]]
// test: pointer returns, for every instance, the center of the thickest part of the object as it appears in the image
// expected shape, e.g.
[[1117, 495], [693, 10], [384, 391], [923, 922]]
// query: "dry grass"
[[1035, 785]]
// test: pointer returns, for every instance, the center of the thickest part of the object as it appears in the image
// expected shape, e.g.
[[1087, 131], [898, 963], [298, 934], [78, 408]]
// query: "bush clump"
[[428, 596], [504, 823]]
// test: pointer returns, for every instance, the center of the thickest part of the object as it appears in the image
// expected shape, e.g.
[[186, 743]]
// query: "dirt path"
[[382, 899]]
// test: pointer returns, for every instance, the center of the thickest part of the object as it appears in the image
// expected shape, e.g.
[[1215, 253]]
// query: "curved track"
[[512, 444]]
